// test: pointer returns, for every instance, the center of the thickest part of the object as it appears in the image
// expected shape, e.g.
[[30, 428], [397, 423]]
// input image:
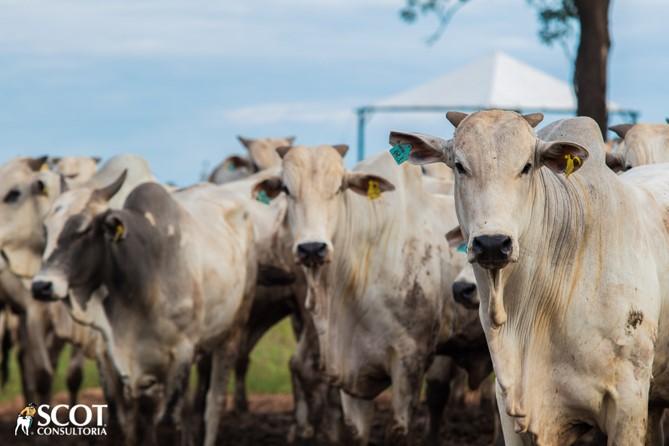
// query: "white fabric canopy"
[[495, 81]]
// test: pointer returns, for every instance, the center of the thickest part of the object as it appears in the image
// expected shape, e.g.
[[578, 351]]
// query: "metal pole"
[[361, 133]]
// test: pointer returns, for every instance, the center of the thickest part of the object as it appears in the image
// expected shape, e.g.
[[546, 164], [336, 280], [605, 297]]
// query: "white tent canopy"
[[495, 81]]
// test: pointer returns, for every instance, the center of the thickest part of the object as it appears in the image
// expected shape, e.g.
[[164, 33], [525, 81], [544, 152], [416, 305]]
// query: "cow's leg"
[[438, 380], [302, 429], [200, 398], [511, 438], [358, 415], [112, 388], [626, 409], [407, 376], [221, 361], [36, 368], [655, 431], [307, 386], [241, 368], [628, 429], [267, 310], [75, 373]]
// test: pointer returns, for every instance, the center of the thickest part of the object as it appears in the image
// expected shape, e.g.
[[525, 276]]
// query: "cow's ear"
[[40, 187], [267, 189], [107, 192], [621, 129], [424, 149], [282, 150], [369, 185], [38, 164], [533, 119], [615, 161], [341, 149], [114, 227], [456, 117], [235, 162], [246, 142], [455, 237], [562, 156]]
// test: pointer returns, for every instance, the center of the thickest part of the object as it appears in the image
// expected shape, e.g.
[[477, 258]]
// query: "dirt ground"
[[266, 424]]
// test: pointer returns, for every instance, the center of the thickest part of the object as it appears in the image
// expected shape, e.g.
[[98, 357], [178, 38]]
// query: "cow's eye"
[[12, 196], [526, 169], [460, 168], [627, 167], [285, 190]]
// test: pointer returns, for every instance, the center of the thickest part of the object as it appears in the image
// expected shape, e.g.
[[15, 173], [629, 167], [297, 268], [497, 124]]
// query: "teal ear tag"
[[462, 248], [262, 197], [400, 152]]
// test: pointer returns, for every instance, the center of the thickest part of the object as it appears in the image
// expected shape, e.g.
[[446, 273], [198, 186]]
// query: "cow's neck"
[[539, 288], [334, 292], [132, 274]]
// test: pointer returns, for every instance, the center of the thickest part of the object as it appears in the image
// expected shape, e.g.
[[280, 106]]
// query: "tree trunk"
[[591, 61]]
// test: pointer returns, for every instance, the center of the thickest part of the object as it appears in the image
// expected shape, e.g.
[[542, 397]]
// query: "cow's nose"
[[492, 251], [312, 253], [464, 293], [42, 290]]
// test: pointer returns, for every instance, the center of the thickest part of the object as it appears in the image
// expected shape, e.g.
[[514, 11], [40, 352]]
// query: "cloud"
[[287, 112], [160, 27]]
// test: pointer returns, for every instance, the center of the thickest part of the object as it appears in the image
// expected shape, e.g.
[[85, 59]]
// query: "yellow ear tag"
[[44, 168], [373, 190], [119, 233], [569, 168]]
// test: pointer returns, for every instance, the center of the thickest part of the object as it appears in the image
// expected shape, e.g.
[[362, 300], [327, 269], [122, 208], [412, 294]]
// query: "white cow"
[[575, 320], [75, 169], [317, 405], [640, 144], [376, 268], [261, 156]]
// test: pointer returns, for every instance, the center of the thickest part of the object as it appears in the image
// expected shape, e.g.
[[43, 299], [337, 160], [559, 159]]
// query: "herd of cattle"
[[542, 255]]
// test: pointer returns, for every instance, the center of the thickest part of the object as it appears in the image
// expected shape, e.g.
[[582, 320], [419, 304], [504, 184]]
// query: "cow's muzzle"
[[492, 251], [465, 294], [42, 290], [312, 254]]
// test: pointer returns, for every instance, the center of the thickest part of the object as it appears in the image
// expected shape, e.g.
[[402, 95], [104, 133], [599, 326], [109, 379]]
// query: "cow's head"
[[464, 287], [314, 181], [76, 169], [262, 151], [78, 226], [639, 144], [27, 189], [496, 157]]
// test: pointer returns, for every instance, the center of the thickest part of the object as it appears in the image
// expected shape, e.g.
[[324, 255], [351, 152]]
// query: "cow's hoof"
[[397, 436], [301, 436]]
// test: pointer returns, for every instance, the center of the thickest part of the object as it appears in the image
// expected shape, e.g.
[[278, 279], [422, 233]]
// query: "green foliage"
[[268, 372], [13, 387], [557, 18]]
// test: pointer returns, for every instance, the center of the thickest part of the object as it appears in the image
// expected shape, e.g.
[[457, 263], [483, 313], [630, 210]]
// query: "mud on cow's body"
[[376, 270], [575, 320]]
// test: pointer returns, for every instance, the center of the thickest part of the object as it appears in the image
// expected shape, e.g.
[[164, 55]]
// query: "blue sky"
[[176, 80]]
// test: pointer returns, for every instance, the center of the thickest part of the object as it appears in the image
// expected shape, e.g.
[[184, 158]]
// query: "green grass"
[[268, 372]]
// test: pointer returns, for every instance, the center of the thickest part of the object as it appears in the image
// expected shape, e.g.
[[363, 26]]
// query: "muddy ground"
[[267, 424]]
